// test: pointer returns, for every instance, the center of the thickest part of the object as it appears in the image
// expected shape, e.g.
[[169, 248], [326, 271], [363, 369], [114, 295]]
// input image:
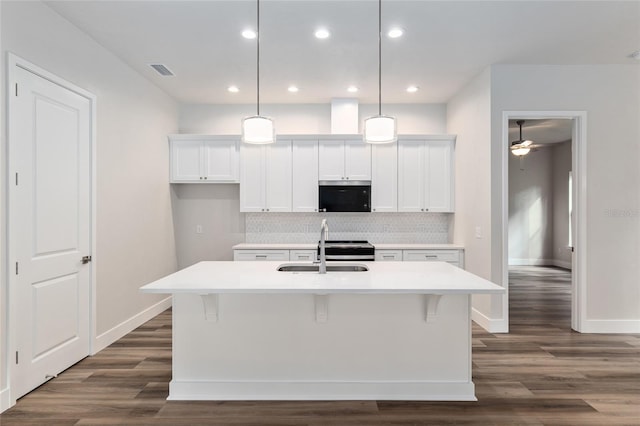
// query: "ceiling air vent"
[[161, 69]]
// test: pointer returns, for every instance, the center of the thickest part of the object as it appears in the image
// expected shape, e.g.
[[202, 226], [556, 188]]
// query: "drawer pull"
[[431, 256], [261, 256], [303, 257], [388, 256]]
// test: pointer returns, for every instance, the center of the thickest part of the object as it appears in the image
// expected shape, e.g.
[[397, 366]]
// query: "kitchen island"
[[245, 331]]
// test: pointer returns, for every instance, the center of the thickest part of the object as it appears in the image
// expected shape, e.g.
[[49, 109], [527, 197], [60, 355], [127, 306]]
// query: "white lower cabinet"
[[309, 255], [389, 255], [253, 255], [451, 256]]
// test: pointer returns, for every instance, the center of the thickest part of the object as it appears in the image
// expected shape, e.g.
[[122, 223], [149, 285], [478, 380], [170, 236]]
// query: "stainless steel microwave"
[[344, 196]]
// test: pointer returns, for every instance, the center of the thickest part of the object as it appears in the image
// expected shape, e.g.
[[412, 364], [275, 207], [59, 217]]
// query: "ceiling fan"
[[521, 146]]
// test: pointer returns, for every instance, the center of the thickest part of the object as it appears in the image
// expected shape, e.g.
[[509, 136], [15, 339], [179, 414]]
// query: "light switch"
[[478, 232], [198, 229]]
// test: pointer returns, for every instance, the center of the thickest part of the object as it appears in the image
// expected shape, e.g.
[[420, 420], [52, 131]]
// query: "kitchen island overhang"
[[245, 331]]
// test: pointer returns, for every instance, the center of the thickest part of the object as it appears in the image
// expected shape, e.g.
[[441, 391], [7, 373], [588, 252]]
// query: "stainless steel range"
[[348, 250]]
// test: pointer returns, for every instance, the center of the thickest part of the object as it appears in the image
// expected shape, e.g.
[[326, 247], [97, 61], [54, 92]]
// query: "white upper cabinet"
[[265, 177], [425, 175], [344, 160], [305, 176], [384, 178], [203, 159]]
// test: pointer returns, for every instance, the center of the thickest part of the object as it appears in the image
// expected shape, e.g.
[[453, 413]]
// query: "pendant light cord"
[[258, 59], [379, 57]]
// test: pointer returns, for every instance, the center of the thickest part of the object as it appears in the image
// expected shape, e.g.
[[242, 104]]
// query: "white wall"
[[216, 208], [609, 95], [469, 117], [561, 154], [307, 118], [135, 242], [531, 207]]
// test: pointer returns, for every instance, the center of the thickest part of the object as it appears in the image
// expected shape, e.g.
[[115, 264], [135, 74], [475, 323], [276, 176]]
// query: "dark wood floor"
[[541, 373]]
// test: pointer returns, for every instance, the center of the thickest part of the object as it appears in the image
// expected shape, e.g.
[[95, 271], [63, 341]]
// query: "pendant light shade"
[[257, 129], [380, 128]]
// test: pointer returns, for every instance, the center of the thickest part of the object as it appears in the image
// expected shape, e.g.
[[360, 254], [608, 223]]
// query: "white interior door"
[[50, 228]]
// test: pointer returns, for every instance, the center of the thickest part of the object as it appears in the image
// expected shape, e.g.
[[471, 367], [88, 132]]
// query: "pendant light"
[[520, 147], [380, 128], [257, 129]]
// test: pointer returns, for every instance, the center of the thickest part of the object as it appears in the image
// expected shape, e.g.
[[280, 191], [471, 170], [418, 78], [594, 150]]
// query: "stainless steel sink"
[[314, 267]]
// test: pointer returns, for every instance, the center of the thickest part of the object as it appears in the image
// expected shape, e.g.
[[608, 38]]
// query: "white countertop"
[[395, 246], [382, 278]]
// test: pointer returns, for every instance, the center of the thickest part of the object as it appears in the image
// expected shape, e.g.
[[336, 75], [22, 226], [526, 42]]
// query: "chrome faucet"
[[324, 234]]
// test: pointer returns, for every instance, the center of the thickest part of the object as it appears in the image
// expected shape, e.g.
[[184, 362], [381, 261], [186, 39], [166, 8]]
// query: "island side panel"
[[372, 346]]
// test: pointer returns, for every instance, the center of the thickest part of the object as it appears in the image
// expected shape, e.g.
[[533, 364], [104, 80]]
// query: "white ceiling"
[[446, 43]]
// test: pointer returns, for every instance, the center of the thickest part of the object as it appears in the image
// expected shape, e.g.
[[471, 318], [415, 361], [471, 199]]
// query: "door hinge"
[[16, 268], [16, 357]]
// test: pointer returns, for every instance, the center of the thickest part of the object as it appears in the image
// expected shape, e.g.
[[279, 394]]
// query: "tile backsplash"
[[429, 228]]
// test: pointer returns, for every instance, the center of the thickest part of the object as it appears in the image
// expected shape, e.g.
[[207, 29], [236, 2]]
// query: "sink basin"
[[314, 267]]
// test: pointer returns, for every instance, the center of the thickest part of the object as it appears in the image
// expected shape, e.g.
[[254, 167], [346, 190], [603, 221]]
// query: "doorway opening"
[[543, 224]]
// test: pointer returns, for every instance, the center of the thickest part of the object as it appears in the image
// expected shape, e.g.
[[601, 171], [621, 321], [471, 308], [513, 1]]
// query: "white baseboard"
[[489, 324], [5, 400], [125, 327], [266, 390], [611, 326], [562, 264]]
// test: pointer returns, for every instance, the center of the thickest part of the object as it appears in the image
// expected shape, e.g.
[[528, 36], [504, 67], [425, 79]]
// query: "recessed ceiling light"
[[635, 55], [412, 89], [292, 89], [395, 33], [250, 34], [322, 33], [352, 89], [233, 89]]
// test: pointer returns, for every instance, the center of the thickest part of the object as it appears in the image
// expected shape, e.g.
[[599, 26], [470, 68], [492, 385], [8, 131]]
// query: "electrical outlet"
[[478, 232], [198, 229]]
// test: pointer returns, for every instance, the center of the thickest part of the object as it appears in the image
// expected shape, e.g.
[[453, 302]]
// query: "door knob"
[[86, 259]]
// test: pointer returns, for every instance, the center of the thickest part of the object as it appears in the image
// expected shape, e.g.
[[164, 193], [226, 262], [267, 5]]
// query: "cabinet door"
[[305, 176], [357, 160], [220, 160], [331, 160], [384, 178], [439, 176], [309, 255], [260, 255], [278, 177], [410, 176], [185, 161], [252, 186]]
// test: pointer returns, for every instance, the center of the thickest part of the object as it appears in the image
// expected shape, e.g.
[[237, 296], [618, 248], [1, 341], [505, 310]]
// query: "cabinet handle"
[[374, 210], [200, 177], [261, 256], [421, 210], [267, 209], [342, 177], [431, 256], [426, 210], [205, 178], [347, 178], [388, 256], [262, 209]]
